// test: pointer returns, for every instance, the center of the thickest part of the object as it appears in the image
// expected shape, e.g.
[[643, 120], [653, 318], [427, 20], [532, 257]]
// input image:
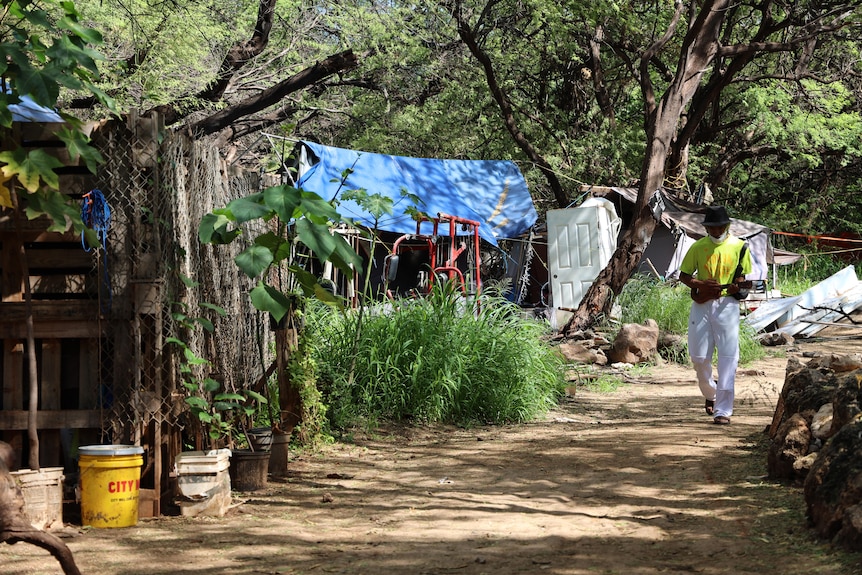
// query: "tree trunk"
[[15, 527], [32, 366], [698, 50]]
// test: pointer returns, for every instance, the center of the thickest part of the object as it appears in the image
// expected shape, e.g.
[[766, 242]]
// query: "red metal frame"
[[449, 267]]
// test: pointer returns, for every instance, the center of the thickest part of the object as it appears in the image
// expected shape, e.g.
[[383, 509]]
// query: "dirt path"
[[637, 482]]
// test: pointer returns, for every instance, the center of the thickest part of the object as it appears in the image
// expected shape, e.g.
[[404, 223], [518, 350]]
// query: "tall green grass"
[[645, 297], [812, 269], [432, 360]]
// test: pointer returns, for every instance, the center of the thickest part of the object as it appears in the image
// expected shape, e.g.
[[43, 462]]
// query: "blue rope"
[[96, 215]]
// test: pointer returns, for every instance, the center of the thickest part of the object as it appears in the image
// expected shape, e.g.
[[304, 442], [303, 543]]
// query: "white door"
[[573, 254]]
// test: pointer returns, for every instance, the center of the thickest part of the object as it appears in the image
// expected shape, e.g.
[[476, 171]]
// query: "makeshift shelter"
[[492, 193], [682, 225]]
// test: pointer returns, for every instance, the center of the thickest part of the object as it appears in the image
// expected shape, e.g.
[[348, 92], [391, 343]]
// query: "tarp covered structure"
[[682, 225], [491, 192]]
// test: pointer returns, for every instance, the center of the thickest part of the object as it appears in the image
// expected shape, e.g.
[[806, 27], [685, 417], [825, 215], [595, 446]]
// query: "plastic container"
[[201, 472], [110, 478], [43, 495]]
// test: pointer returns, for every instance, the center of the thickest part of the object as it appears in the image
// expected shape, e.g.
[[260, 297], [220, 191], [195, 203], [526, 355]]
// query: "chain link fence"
[[159, 279]]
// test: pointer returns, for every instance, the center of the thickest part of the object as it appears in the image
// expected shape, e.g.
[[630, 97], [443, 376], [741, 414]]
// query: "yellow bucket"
[[110, 484]]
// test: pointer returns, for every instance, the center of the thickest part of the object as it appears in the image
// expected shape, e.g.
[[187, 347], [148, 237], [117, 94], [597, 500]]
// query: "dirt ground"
[[635, 482]]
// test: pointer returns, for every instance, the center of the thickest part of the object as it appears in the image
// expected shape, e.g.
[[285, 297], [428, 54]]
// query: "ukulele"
[[714, 291]]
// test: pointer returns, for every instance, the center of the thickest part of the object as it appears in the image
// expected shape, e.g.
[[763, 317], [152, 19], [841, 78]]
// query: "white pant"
[[715, 325]]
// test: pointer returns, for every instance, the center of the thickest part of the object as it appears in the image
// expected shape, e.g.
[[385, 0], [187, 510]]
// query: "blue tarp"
[[491, 192], [29, 111]]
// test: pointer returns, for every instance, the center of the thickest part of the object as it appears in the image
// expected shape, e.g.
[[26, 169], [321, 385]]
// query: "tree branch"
[[468, 36], [271, 96]]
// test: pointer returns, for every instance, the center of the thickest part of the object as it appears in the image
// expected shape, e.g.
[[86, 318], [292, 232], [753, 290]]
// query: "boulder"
[[776, 338], [833, 488], [576, 352], [805, 389], [635, 343], [847, 399], [837, 363], [789, 445], [821, 423]]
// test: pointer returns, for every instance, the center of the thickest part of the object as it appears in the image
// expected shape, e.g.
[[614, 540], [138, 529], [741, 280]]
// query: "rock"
[[790, 444], [847, 399], [635, 343], [601, 358], [833, 488], [671, 341], [7, 455], [806, 390], [802, 466], [776, 338], [577, 353], [837, 363], [821, 423]]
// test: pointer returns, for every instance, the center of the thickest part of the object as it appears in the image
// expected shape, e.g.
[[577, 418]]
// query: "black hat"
[[716, 216]]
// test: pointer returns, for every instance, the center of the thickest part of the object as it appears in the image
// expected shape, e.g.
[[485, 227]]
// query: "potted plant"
[[220, 417]]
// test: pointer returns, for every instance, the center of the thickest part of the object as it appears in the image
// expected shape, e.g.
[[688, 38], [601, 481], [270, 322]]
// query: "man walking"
[[714, 267]]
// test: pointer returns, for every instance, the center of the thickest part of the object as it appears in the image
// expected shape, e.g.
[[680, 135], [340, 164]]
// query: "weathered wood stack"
[[102, 318], [64, 282]]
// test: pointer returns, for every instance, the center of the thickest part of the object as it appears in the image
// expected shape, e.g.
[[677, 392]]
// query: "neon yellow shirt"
[[708, 260]]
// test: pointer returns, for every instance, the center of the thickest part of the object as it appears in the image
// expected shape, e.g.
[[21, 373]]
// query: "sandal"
[[721, 420], [709, 406]]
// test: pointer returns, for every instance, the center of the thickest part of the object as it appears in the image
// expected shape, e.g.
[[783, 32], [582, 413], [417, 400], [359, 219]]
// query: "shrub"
[[432, 360]]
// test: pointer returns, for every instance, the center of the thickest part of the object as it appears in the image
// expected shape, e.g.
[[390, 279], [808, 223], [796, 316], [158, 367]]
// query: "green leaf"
[[276, 244], [205, 323], [328, 246], [193, 359], [195, 401], [176, 341], [255, 396], [268, 299], [311, 287], [42, 85], [283, 200], [317, 237], [228, 396], [218, 309], [210, 385], [213, 229], [254, 260], [78, 146], [71, 24], [31, 167], [249, 208], [55, 205], [317, 209]]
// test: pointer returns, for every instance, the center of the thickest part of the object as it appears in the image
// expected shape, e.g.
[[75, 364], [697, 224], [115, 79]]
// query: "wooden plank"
[[43, 311], [50, 446], [60, 258], [13, 374], [55, 419], [59, 284], [54, 329], [10, 277], [50, 381], [88, 374]]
